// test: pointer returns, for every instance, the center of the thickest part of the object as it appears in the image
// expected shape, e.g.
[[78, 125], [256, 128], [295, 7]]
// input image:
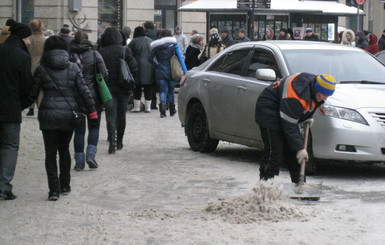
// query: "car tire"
[[197, 130], [311, 165]]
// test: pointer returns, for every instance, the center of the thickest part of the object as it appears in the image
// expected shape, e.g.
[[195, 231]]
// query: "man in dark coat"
[[16, 82], [310, 36], [226, 37], [279, 109], [381, 41]]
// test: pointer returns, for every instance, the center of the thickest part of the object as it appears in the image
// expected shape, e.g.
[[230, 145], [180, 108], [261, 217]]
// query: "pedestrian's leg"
[[154, 89], [79, 147], [147, 98], [121, 120], [93, 138], [273, 151], [65, 161], [163, 97], [171, 96], [9, 148], [111, 108], [137, 98], [51, 142]]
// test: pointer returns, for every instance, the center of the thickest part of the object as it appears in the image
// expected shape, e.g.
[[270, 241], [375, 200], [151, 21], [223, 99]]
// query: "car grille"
[[379, 117]]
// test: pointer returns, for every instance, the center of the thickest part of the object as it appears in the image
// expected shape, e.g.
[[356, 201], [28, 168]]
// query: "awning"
[[277, 6]]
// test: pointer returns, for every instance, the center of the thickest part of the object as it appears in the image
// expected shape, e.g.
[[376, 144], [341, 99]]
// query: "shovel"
[[302, 192]]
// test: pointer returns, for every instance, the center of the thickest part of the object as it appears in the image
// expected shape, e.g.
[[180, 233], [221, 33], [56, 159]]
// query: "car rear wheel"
[[197, 130]]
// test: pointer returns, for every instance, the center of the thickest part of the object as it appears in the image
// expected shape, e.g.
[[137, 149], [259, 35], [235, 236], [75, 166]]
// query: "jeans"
[[167, 88], [9, 148], [138, 92], [57, 141], [276, 152], [116, 117], [93, 135]]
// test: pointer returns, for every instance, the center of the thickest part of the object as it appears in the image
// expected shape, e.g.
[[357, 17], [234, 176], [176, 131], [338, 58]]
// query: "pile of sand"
[[267, 203]]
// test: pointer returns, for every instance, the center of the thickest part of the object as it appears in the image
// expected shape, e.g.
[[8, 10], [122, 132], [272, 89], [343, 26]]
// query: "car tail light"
[[183, 81]]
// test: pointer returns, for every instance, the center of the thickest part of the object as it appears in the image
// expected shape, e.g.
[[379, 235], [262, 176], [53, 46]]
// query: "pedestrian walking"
[[181, 40], [226, 37], [213, 46], [153, 34], [16, 82], [141, 47], [242, 35], [35, 49], [373, 46], [162, 50], [193, 51], [361, 40], [112, 52], [279, 109], [62, 83], [81, 53]]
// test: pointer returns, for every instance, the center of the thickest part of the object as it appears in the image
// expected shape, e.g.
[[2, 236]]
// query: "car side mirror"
[[266, 74]]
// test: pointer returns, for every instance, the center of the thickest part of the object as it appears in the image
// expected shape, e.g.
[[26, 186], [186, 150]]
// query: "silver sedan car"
[[217, 99]]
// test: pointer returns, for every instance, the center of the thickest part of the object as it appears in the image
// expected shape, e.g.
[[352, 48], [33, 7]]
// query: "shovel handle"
[[303, 163]]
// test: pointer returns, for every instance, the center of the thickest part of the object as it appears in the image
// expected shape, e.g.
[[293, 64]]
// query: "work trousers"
[[9, 148], [277, 152], [57, 141]]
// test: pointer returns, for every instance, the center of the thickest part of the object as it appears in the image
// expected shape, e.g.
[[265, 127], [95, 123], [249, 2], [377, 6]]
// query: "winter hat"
[[36, 25], [213, 30], [20, 30], [10, 22], [196, 38], [178, 28], [139, 32], [55, 42], [127, 31], [309, 30], [325, 84], [64, 30]]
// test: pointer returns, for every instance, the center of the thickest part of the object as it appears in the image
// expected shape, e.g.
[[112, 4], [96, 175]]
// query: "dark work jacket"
[[16, 79], [55, 113], [112, 52], [87, 57], [162, 50], [285, 103], [228, 41]]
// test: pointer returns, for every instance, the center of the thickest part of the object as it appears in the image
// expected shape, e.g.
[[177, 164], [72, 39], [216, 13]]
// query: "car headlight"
[[343, 113]]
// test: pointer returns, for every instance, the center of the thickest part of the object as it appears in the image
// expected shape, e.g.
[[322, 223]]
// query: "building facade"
[[94, 16]]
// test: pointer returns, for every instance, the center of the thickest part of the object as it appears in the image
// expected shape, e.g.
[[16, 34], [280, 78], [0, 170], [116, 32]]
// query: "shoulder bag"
[[176, 67], [104, 92], [78, 118], [126, 79]]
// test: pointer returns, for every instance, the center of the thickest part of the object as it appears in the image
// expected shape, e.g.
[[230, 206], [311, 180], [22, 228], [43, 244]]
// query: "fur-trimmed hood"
[[162, 41], [344, 40]]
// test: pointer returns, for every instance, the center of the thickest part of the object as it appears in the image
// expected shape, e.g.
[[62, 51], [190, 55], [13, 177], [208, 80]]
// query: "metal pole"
[[370, 16]]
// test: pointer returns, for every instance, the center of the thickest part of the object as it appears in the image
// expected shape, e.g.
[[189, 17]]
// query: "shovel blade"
[[306, 192]]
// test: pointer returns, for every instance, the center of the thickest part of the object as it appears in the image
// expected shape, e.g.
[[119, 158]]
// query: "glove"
[[302, 155], [310, 121], [93, 119]]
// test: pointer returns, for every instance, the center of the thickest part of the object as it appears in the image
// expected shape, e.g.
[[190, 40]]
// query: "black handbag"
[[126, 79], [77, 117]]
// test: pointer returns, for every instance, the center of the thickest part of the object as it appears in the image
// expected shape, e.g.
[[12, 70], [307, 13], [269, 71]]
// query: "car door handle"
[[206, 81], [241, 88]]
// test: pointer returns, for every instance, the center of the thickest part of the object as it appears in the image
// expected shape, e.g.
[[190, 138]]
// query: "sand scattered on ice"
[[267, 203]]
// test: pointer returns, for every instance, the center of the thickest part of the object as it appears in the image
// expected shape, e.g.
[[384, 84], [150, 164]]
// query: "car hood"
[[357, 96]]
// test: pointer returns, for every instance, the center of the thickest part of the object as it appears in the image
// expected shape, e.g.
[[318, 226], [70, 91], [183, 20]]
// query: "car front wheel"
[[197, 130]]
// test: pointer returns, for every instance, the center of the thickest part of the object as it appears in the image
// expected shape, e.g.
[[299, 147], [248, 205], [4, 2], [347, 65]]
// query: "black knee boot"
[[172, 110], [162, 109]]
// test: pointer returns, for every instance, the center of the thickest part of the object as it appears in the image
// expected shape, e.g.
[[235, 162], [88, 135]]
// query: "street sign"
[[360, 1], [253, 4]]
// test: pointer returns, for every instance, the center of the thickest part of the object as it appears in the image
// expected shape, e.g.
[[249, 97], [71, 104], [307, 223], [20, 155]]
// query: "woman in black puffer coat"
[[61, 82], [87, 59], [112, 52]]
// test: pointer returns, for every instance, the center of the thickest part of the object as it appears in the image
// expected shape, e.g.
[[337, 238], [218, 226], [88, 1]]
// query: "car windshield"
[[344, 65]]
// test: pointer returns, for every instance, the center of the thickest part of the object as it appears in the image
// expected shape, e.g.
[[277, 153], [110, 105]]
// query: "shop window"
[[109, 14], [26, 11], [165, 14]]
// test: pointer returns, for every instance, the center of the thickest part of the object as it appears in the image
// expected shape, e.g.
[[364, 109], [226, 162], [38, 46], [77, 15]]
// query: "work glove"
[[310, 121], [302, 155], [93, 120]]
